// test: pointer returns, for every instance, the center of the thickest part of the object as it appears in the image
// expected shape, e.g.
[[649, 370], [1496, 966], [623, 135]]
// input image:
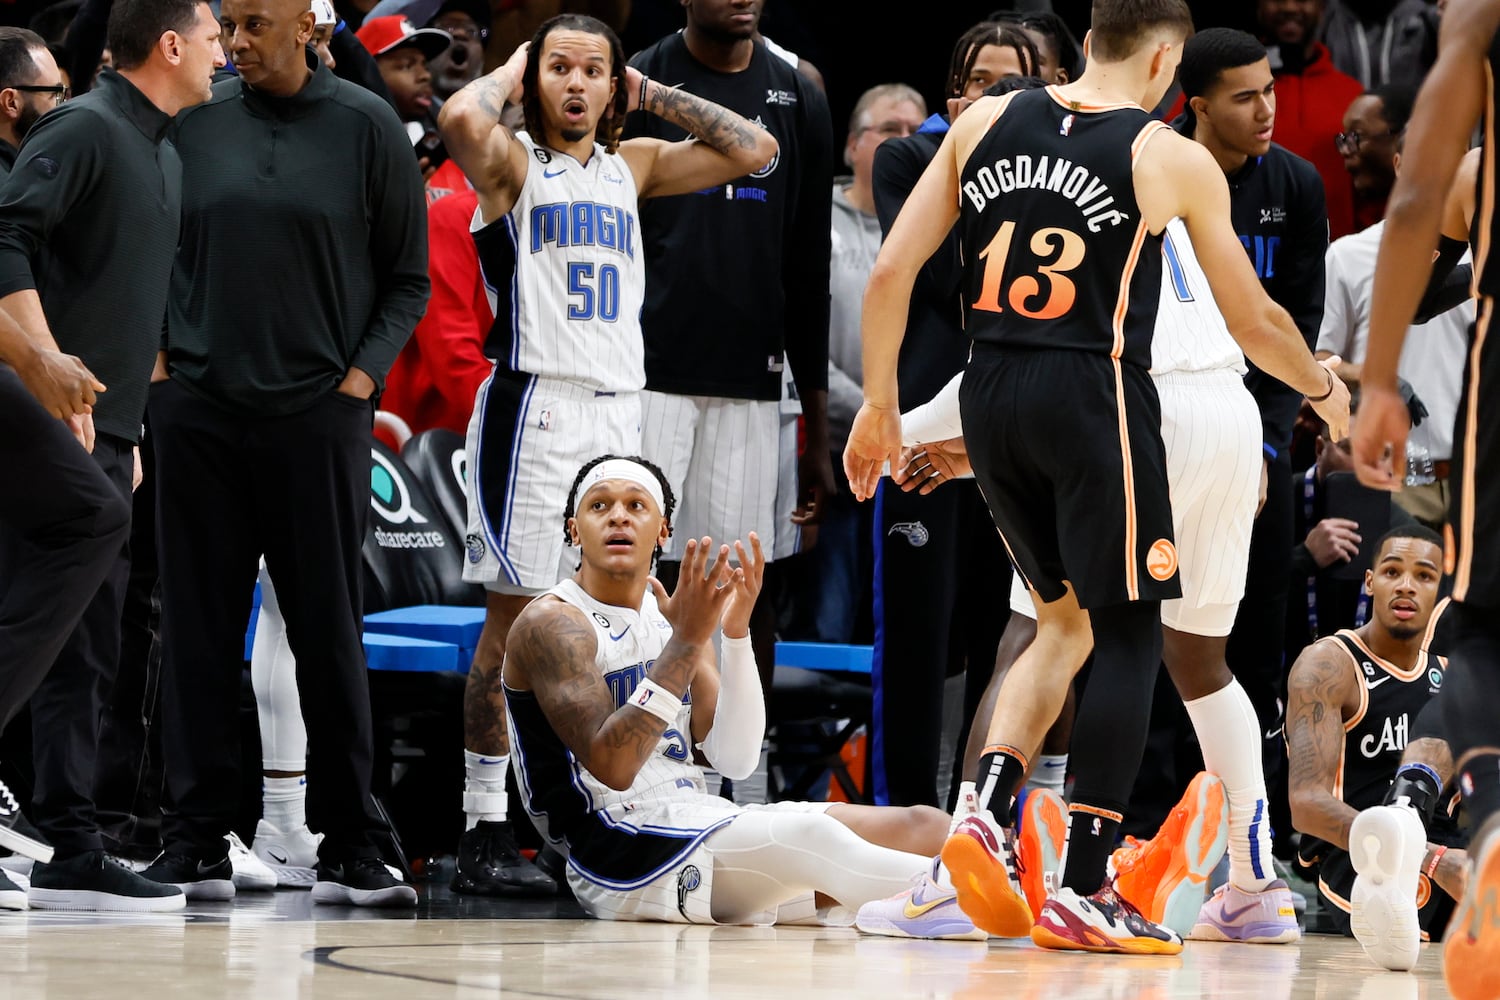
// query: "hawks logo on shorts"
[[1161, 561]]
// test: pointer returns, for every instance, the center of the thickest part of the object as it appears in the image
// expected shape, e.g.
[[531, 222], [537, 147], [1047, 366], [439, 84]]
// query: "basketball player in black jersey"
[[1459, 91], [1352, 720], [1062, 196]]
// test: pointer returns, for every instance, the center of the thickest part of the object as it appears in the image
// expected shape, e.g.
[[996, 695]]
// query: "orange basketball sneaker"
[[1039, 849], [1471, 951], [1166, 877], [980, 857]]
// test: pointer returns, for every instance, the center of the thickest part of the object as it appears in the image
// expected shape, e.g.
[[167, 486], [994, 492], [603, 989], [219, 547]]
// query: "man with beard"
[[30, 86], [1353, 704]]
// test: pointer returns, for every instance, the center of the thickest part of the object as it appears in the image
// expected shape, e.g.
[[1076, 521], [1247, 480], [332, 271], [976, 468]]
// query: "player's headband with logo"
[[630, 472], [323, 15]]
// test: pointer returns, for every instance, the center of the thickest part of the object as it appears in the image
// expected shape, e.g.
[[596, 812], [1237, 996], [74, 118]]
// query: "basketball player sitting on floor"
[[1356, 716], [612, 692]]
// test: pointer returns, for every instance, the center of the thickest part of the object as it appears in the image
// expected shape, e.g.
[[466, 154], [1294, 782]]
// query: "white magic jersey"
[[556, 787], [565, 273], [1190, 334]]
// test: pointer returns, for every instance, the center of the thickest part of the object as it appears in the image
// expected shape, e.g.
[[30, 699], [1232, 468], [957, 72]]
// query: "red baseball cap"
[[384, 34]]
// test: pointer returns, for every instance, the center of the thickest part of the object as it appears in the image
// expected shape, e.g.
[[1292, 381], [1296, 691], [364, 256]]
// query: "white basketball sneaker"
[[291, 855], [250, 873], [1386, 845]]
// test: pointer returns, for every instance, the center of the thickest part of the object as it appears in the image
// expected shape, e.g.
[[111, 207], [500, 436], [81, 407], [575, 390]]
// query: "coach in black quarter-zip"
[[89, 223], [302, 271]]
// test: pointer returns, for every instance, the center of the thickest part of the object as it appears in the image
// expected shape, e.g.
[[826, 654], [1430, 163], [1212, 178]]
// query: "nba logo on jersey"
[[1098, 827], [1067, 126]]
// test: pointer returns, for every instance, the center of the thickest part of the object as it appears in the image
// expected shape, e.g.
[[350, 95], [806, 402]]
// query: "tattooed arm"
[[1322, 692], [724, 145], [551, 652], [485, 149]]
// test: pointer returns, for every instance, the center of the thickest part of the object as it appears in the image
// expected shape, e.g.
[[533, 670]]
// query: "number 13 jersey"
[[564, 272], [1057, 255]]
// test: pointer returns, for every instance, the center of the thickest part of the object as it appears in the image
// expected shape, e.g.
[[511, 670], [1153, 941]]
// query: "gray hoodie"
[[856, 241]]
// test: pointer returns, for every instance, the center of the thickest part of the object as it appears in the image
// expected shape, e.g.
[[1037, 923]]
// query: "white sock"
[[284, 802], [967, 805], [1049, 771], [484, 788], [1229, 733]]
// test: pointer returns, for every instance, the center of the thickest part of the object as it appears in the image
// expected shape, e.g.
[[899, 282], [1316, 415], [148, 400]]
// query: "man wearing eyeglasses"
[[1372, 124], [30, 86]]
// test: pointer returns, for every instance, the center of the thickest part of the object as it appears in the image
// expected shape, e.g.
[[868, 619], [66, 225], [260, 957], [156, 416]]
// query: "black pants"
[[1255, 652], [942, 593], [128, 777], [63, 525], [229, 489], [65, 709]]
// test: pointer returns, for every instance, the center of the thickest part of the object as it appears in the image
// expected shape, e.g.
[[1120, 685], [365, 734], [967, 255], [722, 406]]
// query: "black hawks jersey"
[[1056, 252], [1389, 701]]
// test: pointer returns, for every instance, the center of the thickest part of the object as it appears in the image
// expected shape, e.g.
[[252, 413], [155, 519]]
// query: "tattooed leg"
[[484, 698]]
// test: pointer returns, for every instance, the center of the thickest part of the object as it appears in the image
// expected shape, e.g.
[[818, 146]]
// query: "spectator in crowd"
[[710, 414], [931, 552], [1356, 719], [1278, 210], [467, 22], [261, 414], [1311, 97], [30, 86], [1373, 123], [438, 372], [1432, 363], [840, 567], [569, 366], [100, 291], [402, 53], [1381, 42], [1326, 597]]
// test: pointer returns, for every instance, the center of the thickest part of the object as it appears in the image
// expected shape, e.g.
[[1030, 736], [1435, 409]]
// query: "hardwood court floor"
[[279, 945]]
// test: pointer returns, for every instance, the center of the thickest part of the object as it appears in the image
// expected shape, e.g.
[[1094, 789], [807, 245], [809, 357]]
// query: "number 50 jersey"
[[564, 273], [1056, 253]]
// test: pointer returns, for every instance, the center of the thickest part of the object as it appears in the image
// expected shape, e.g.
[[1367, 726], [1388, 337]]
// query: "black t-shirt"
[[737, 275]]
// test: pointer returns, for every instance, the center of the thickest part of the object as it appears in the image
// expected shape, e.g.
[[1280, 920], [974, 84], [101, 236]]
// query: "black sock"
[[1419, 785], [1001, 771], [1091, 839], [1479, 779]]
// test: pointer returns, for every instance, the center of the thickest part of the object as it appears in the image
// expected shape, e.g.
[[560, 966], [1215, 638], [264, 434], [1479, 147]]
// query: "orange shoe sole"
[[1471, 951], [984, 892], [1199, 836], [1044, 829], [1043, 937]]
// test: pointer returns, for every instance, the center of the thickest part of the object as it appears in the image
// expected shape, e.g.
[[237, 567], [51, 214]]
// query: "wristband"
[[1319, 399], [641, 102], [651, 697], [1432, 865]]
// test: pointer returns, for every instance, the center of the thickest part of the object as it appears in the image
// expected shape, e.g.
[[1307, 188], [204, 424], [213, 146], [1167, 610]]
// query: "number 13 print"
[[1058, 250]]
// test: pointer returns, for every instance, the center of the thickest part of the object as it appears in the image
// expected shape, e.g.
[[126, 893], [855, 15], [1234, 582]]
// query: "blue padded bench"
[[457, 626], [824, 656], [404, 653]]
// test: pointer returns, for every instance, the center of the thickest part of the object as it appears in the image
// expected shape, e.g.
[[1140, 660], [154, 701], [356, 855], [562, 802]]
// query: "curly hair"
[[669, 499], [610, 125]]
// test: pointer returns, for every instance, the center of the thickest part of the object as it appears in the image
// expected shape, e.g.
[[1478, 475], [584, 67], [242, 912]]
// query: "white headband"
[[630, 472], [323, 15]]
